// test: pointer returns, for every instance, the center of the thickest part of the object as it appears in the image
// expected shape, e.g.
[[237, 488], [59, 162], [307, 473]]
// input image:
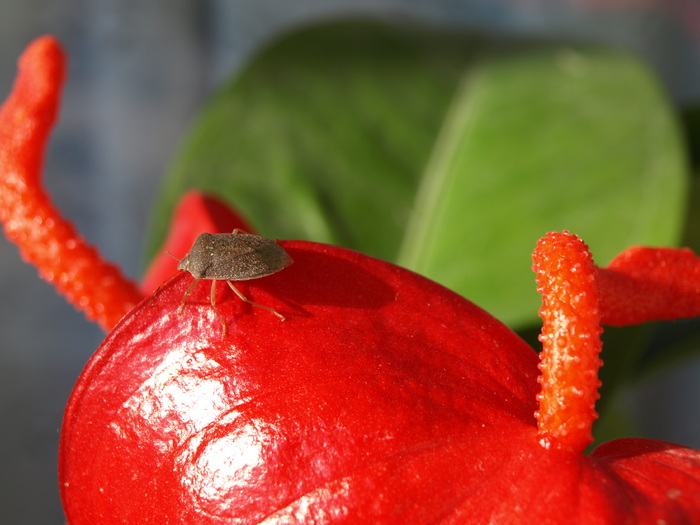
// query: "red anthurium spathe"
[[356, 406], [648, 284], [382, 398]]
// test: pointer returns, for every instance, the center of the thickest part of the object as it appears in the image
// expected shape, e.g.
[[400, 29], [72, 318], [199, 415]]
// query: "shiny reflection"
[[326, 504], [227, 462], [186, 393]]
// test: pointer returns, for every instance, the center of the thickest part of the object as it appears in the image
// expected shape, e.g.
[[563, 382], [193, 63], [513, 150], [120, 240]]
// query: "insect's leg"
[[244, 298], [216, 310], [184, 296], [161, 285]]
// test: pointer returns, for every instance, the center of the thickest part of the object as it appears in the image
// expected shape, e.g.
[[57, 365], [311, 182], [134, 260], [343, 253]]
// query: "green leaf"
[[561, 138], [325, 135], [446, 153]]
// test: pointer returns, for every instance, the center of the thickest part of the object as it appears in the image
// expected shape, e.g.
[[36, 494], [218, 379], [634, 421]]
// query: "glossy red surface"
[[383, 398]]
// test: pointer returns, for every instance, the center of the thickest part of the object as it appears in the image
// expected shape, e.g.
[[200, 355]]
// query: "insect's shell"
[[234, 257]]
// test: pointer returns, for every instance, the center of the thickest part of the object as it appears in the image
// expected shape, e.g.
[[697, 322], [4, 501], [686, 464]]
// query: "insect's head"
[[184, 263]]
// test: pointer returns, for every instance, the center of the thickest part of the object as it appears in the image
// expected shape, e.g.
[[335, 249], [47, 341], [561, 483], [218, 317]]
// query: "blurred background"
[[138, 73]]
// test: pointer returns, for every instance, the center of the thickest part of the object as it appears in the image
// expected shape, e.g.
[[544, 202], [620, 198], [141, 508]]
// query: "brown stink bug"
[[232, 257]]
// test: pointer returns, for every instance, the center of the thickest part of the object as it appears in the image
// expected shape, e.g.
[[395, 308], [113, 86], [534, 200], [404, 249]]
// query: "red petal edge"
[[650, 284]]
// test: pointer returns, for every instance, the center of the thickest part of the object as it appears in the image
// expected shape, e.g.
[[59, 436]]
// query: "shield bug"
[[232, 257]]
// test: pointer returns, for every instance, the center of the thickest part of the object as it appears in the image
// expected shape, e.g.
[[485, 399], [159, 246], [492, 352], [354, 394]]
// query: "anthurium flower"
[[382, 398]]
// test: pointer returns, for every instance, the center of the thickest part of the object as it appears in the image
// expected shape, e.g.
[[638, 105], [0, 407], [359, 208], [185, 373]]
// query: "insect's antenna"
[[245, 299], [171, 255]]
